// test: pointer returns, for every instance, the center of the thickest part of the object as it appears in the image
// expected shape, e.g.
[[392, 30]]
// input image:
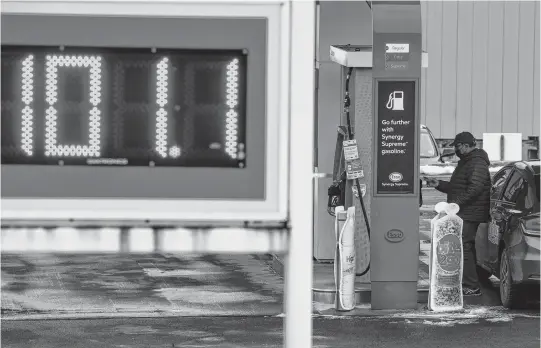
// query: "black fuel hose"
[[347, 102]]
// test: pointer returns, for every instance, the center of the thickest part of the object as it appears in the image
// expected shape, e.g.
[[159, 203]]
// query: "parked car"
[[429, 150], [510, 248]]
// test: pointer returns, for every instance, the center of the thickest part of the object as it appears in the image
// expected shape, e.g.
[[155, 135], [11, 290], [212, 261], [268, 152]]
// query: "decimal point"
[[245, 51]]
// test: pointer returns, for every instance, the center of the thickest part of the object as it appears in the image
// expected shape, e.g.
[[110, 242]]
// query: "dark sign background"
[[395, 142], [199, 86]]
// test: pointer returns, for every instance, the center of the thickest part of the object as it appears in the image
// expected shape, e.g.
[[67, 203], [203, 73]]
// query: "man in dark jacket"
[[469, 187]]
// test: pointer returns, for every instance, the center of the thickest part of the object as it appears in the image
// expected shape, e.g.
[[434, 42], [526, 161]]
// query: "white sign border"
[[273, 208]]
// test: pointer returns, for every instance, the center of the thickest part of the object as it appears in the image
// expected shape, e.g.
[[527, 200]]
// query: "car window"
[[532, 199], [516, 190], [537, 183], [428, 149], [498, 182]]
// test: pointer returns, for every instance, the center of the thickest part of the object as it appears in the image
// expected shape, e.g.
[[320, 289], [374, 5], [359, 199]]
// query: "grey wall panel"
[[423, 94], [536, 74], [495, 48], [449, 69], [510, 67], [433, 82], [329, 111], [495, 66], [424, 10], [424, 23], [526, 43], [343, 22], [479, 76], [122, 182], [324, 238], [464, 67]]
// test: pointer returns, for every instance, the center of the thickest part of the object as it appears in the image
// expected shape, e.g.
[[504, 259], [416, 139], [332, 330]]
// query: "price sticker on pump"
[[354, 169], [350, 150]]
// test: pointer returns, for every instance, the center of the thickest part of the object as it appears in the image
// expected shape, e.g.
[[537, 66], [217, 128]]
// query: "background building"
[[483, 71]]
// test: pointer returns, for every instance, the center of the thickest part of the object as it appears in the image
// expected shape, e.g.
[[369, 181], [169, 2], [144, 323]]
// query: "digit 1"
[[27, 112], [53, 62], [162, 90], [232, 92]]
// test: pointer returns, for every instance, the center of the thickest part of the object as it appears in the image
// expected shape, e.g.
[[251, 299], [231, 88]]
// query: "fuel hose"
[[347, 102]]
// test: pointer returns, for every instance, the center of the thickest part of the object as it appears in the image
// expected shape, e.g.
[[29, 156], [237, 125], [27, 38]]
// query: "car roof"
[[535, 165], [531, 166]]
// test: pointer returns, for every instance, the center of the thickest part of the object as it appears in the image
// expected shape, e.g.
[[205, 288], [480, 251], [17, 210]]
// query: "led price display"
[[134, 107]]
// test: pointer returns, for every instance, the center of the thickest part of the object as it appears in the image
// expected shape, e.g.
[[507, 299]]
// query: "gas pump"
[[385, 83]]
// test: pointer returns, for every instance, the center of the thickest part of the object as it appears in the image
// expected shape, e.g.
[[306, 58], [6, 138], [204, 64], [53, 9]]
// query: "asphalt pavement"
[[479, 330], [47, 285]]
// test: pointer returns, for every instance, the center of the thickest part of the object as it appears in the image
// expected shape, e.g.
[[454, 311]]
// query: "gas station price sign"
[[123, 107], [395, 142]]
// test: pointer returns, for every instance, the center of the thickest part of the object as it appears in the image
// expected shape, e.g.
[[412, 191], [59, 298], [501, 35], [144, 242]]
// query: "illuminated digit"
[[52, 148], [27, 99], [232, 101], [161, 115]]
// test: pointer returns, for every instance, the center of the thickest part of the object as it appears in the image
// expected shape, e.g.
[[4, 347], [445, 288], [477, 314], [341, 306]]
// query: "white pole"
[[298, 282]]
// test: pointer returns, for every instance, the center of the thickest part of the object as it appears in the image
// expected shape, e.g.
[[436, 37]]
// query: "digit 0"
[[27, 143], [53, 63]]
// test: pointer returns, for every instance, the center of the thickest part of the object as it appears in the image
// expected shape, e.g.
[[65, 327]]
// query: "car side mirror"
[[447, 153], [515, 212]]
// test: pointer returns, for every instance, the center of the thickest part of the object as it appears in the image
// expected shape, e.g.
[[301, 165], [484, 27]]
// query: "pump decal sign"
[[395, 143]]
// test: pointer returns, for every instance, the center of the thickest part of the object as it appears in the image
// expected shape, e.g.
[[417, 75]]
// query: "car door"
[[490, 251], [512, 199]]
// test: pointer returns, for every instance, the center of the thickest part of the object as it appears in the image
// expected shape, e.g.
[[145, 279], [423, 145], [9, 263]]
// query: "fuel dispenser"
[[381, 85]]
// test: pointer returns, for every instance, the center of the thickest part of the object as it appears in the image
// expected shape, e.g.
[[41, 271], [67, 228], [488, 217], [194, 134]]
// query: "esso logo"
[[394, 236], [395, 177]]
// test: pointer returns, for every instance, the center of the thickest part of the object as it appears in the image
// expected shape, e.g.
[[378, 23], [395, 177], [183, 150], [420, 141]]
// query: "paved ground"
[[475, 328], [116, 284]]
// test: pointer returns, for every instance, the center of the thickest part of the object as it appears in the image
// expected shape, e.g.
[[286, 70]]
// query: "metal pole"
[[298, 282]]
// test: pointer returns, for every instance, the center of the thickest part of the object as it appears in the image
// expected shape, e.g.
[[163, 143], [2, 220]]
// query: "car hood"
[[429, 160]]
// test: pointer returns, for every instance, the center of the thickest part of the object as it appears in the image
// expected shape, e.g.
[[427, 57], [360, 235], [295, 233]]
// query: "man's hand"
[[431, 182]]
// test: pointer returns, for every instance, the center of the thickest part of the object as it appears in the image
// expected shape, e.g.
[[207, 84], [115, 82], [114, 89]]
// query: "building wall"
[[483, 70]]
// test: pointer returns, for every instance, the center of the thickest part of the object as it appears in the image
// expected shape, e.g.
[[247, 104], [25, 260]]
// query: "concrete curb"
[[427, 209], [326, 296], [125, 315]]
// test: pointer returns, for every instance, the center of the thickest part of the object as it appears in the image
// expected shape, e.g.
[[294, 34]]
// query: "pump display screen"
[[123, 107]]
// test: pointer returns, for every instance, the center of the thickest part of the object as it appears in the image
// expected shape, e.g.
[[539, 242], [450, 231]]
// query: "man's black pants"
[[469, 276]]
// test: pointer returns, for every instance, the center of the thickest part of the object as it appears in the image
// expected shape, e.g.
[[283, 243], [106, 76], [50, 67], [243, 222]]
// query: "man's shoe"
[[471, 292]]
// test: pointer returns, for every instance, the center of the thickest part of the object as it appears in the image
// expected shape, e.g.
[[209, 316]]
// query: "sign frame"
[[376, 126], [274, 206]]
